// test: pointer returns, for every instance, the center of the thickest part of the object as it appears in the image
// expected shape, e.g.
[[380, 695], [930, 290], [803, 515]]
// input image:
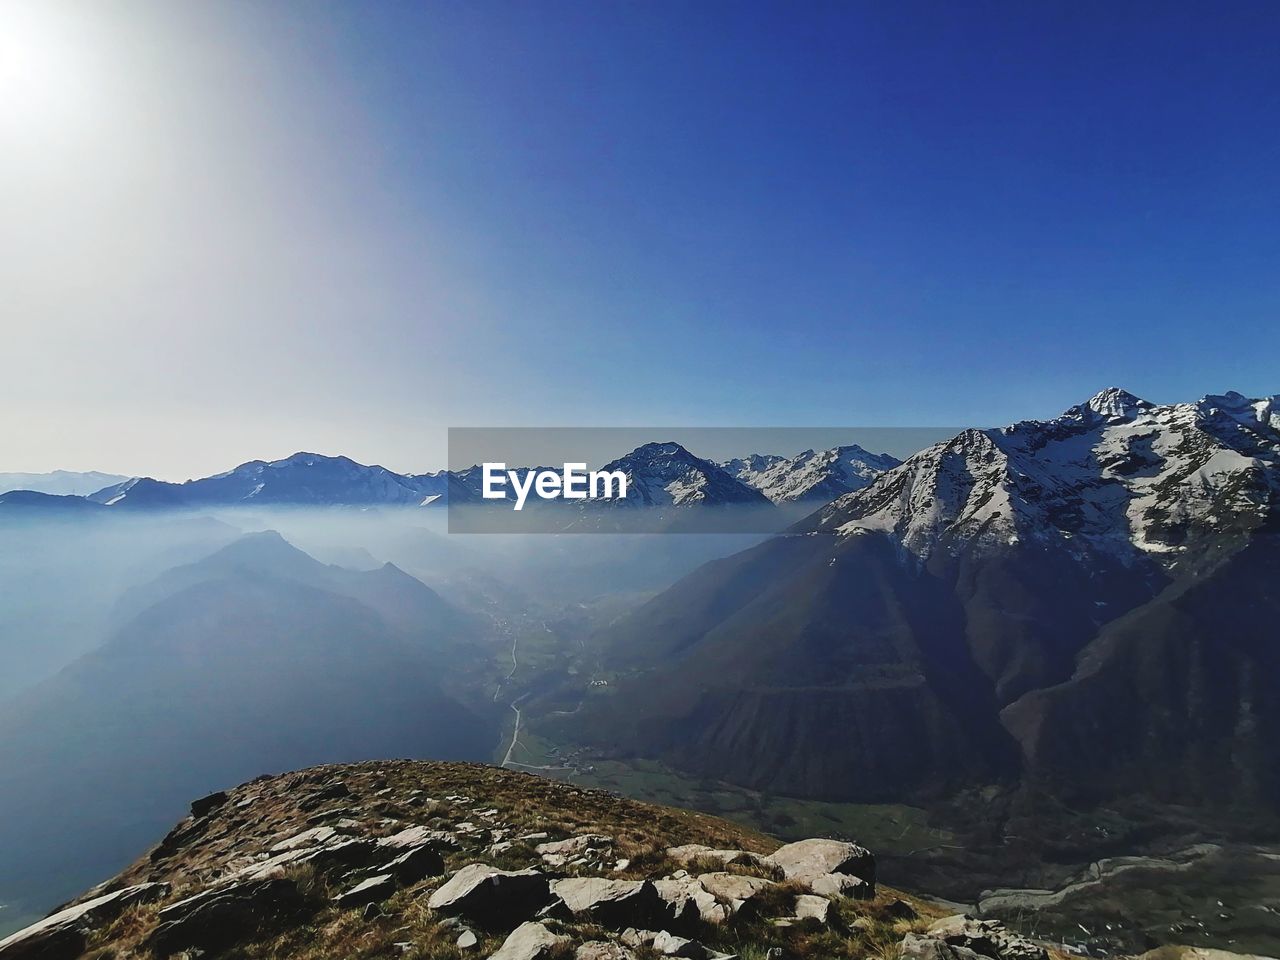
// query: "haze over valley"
[[931, 655]]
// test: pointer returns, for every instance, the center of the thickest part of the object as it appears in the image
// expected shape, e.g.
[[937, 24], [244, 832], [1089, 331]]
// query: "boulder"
[[374, 890], [63, 934], [696, 851], [418, 837], [315, 837], [806, 859], [916, 947], [839, 885], [986, 937], [574, 845], [491, 897], [688, 903], [733, 889], [669, 945], [223, 916], [809, 906], [602, 950], [611, 903], [529, 941], [467, 940]]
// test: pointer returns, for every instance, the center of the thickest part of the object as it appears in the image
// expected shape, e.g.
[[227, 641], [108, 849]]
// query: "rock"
[[669, 945], [574, 845], [622, 864], [529, 941], [412, 837], [223, 916], [467, 940], [314, 837], [806, 859], [602, 950], [696, 851], [206, 805], [916, 947], [611, 903], [733, 888], [688, 903], [840, 885], [62, 934], [374, 890], [492, 897], [638, 938], [986, 937], [813, 907], [415, 864]]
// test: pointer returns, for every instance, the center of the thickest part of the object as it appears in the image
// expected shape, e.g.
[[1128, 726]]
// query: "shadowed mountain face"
[[1085, 604], [254, 660]]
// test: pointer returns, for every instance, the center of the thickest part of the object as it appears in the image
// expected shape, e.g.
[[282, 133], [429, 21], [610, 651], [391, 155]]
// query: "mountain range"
[[819, 476], [1083, 606], [661, 474]]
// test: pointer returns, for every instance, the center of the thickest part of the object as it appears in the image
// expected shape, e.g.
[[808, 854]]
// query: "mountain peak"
[[1116, 403], [668, 448]]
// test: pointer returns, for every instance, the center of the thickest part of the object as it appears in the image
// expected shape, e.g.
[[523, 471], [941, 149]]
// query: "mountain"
[[989, 612], [396, 857], [32, 503], [61, 483], [254, 659], [811, 476], [666, 474], [302, 479]]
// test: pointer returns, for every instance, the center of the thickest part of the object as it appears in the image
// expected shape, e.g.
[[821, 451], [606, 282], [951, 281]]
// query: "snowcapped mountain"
[[818, 476], [989, 612], [1114, 475], [666, 474], [303, 479]]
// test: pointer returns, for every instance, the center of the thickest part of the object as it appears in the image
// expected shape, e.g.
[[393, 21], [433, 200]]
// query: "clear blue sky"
[[869, 213]]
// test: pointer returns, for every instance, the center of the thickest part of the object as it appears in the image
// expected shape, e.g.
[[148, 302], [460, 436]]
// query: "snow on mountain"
[[820, 476], [304, 478], [1116, 474], [661, 474]]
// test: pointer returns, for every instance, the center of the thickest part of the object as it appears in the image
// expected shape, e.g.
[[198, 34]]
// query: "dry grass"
[[389, 796]]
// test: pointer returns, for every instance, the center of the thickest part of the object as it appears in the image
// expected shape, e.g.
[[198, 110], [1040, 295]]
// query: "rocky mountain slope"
[[988, 613], [817, 477], [411, 859]]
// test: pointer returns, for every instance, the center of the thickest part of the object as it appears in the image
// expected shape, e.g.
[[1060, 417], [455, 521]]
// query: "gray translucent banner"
[[662, 479]]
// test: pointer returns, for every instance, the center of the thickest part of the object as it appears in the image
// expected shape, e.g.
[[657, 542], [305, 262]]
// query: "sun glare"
[[43, 67]]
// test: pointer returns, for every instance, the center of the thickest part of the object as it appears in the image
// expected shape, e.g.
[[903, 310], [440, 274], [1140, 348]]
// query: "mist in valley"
[[152, 658]]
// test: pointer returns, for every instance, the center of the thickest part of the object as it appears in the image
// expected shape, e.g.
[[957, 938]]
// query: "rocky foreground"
[[407, 859]]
